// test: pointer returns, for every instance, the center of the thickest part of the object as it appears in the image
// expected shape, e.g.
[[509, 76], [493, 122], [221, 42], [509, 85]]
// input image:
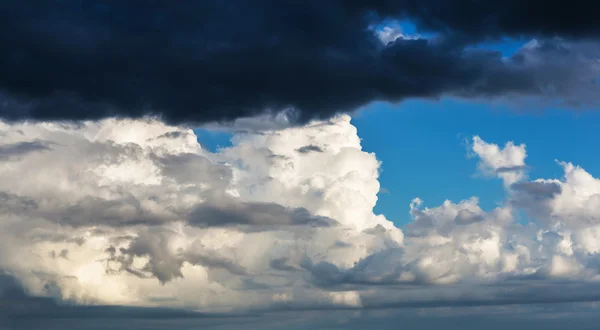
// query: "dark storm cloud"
[[201, 61], [282, 264], [476, 20]]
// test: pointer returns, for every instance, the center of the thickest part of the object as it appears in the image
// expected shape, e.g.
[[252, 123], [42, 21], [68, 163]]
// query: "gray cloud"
[[171, 135], [466, 217], [12, 203], [22, 148], [538, 189], [212, 260], [185, 168], [64, 254], [282, 264], [114, 213], [421, 225], [154, 244], [163, 263], [227, 212], [511, 169], [535, 197], [309, 148]]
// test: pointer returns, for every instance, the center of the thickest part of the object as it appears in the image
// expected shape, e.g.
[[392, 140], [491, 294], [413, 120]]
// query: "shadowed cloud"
[[21, 149], [225, 213]]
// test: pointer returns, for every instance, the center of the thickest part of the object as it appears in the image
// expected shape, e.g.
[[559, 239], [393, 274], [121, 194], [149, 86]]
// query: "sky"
[[404, 137], [282, 165]]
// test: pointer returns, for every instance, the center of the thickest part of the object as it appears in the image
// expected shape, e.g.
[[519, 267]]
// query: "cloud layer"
[[215, 61], [110, 210], [135, 212]]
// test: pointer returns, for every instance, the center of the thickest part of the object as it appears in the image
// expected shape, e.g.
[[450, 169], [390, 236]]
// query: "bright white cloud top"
[[135, 212]]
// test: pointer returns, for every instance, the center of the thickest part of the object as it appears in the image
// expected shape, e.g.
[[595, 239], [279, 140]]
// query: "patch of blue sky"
[[389, 30], [507, 47], [212, 139], [423, 148]]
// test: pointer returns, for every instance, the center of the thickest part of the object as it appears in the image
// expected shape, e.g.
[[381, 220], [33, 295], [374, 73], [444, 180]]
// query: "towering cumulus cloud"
[[135, 212], [204, 61]]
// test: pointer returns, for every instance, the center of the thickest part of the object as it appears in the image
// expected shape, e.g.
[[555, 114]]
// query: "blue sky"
[[422, 147]]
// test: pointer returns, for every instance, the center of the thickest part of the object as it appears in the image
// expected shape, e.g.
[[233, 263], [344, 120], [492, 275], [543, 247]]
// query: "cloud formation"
[[211, 61], [136, 213]]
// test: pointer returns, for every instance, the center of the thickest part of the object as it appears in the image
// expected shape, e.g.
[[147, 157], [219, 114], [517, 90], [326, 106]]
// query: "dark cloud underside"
[[201, 61], [268, 215], [22, 148]]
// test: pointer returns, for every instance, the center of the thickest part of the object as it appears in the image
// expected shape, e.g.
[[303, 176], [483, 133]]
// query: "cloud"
[[507, 163], [489, 20], [538, 189], [21, 149], [121, 215], [11, 203], [133, 212], [228, 213], [71, 61], [465, 217], [309, 148]]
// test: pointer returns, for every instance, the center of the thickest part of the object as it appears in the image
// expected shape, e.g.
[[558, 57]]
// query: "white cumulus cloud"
[[135, 212]]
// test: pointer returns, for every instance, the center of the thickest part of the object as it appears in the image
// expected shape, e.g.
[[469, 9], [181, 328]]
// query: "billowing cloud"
[[193, 63], [133, 212], [136, 213]]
